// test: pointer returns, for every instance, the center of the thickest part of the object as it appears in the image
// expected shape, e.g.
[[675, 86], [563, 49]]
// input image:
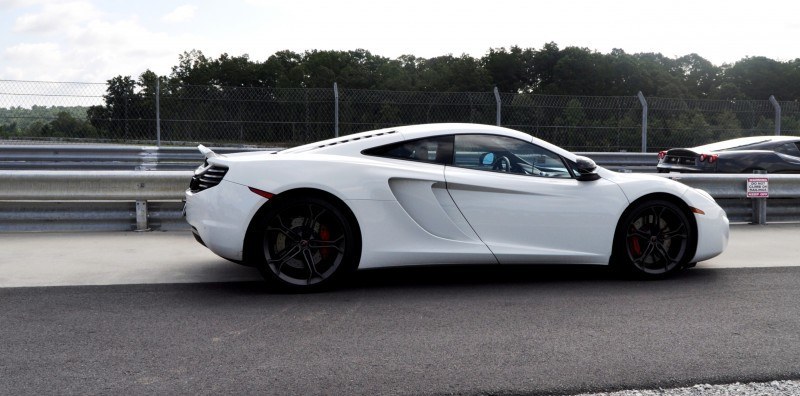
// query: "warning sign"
[[757, 187]]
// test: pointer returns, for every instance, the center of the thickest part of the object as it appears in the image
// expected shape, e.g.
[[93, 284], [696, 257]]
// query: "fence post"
[[158, 112], [499, 105], [643, 101], [777, 107], [335, 110]]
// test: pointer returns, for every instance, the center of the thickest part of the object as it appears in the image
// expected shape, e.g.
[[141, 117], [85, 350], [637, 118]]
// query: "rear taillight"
[[711, 158]]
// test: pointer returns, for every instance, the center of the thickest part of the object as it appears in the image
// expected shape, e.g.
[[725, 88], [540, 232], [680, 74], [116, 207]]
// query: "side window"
[[507, 155], [438, 149], [788, 148]]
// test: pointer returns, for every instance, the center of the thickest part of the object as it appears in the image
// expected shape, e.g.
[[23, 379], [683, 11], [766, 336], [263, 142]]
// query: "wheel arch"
[[247, 251], [651, 197]]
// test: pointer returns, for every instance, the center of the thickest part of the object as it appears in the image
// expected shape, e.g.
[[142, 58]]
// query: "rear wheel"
[[655, 240], [305, 244]]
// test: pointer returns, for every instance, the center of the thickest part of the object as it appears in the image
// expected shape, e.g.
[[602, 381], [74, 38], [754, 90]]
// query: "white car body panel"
[[218, 214], [413, 213], [527, 219], [406, 242], [712, 226]]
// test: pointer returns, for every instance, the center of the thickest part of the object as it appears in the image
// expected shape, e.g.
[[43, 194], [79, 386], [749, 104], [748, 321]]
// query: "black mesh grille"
[[208, 178], [680, 160]]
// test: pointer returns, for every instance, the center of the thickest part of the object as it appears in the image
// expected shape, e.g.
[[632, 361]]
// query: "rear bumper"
[[220, 216], [683, 169]]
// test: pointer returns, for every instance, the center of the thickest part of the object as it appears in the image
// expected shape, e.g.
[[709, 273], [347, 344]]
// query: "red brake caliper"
[[633, 242], [324, 235]]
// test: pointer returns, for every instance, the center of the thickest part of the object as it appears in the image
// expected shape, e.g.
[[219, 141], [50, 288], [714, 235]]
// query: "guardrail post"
[[759, 206], [141, 216], [643, 101], [777, 107], [499, 104]]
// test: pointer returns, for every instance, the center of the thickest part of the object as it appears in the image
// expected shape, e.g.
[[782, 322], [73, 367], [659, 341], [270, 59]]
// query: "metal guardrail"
[[105, 157], [93, 185], [91, 200], [735, 185], [625, 162], [141, 200], [730, 192]]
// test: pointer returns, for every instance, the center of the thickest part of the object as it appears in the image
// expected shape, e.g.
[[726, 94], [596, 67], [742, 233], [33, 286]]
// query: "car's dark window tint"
[[438, 149], [507, 155], [788, 148]]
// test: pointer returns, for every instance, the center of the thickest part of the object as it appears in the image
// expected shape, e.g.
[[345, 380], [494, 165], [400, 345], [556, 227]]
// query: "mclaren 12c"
[[442, 194]]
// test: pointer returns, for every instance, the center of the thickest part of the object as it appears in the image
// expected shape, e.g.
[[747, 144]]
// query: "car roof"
[[355, 143], [745, 141]]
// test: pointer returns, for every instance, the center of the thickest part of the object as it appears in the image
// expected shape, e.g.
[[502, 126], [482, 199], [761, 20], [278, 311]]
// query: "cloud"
[[11, 4], [55, 17], [33, 51], [180, 14], [41, 60], [75, 41], [123, 47]]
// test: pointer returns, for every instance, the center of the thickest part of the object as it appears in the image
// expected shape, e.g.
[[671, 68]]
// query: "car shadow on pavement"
[[495, 275], [473, 277]]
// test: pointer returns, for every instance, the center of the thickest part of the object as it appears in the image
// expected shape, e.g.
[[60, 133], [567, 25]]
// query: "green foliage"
[[42, 121], [549, 70], [759, 77]]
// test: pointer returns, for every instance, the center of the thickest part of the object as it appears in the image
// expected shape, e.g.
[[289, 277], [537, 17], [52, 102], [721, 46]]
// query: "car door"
[[525, 204], [426, 226]]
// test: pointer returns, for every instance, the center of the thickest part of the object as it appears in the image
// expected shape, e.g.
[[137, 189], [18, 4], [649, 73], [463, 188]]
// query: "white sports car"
[[442, 194]]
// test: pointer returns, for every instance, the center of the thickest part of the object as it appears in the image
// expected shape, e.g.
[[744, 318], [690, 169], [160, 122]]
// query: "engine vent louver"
[[356, 138], [208, 178]]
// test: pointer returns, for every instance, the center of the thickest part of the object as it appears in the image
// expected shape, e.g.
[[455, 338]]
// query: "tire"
[[305, 244], [655, 239]]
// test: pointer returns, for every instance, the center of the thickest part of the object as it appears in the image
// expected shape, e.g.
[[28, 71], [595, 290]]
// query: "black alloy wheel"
[[656, 240], [306, 244]]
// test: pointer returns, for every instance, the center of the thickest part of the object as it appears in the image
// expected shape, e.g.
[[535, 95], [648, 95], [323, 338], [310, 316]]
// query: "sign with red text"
[[757, 187]]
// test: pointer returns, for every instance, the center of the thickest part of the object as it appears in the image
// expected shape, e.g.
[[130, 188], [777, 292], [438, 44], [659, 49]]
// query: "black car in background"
[[774, 154]]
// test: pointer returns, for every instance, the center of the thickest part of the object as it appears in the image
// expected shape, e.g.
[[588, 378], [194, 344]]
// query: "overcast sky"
[[94, 40]]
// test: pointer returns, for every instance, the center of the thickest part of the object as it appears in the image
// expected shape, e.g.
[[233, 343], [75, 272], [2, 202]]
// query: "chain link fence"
[[169, 114], [696, 122], [240, 115]]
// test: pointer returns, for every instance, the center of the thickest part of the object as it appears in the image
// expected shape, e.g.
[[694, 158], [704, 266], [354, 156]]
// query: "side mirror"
[[587, 169]]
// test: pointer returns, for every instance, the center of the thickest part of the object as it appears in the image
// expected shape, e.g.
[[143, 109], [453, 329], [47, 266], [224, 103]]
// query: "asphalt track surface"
[[459, 330]]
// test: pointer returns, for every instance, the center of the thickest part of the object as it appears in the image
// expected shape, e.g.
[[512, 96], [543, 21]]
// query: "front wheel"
[[655, 239], [305, 244]]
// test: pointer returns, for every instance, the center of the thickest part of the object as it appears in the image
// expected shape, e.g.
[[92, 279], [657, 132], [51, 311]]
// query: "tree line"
[[549, 71]]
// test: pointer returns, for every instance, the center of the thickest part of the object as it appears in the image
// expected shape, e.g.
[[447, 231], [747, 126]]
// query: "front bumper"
[[713, 230]]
